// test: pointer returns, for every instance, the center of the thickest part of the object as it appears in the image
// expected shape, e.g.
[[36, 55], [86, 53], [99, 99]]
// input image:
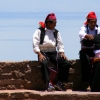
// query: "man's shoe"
[[88, 89], [50, 87], [59, 86], [87, 86]]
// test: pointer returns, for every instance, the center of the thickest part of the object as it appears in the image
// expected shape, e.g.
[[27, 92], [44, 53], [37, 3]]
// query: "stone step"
[[44, 95]]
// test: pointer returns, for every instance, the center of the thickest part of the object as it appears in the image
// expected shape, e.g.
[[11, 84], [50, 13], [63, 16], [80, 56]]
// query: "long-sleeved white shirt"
[[83, 32], [49, 42]]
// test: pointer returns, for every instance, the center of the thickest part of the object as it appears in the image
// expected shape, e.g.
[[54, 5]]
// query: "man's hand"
[[62, 55], [89, 36], [41, 56]]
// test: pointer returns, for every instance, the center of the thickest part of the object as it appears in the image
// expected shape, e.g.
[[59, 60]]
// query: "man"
[[45, 46], [95, 85], [86, 34]]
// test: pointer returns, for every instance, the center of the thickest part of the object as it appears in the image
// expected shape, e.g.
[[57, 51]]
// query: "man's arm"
[[36, 41], [60, 46], [84, 35], [82, 32], [98, 30]]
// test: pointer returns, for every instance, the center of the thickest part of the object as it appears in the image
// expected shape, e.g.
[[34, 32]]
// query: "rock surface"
[[27, 75], [23, 81], [40, 95]]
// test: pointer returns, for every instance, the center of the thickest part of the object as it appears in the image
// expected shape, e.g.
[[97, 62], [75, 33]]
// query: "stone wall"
[[23, 81], [26, 75]]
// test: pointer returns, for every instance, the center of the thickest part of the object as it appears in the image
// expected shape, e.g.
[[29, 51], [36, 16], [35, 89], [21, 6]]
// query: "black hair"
[[90, 19], [50, 21]]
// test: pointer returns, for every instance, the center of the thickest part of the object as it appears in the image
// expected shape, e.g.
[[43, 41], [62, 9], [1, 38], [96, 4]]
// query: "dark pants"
[[95, 87], [63, 67], [85, 64]]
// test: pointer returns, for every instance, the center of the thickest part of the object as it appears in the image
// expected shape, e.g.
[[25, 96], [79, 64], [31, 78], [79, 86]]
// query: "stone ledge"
[[43, 95], [27, 75]]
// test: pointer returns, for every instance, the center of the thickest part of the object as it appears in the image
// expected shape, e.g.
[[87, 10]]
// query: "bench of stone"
[[27, 75], [20, 80]]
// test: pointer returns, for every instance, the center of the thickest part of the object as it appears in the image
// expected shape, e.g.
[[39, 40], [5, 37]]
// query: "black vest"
[[43, 34], [96, 31], [87, 42]]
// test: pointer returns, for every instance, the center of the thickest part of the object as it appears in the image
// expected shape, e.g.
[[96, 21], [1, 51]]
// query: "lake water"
[[17, 28]]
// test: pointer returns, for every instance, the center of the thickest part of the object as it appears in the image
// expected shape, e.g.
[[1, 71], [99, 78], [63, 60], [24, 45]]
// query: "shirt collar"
[[49, 30], [94, 28]]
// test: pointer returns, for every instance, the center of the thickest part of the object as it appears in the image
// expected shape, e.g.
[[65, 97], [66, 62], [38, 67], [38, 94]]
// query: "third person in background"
[[87, 33]]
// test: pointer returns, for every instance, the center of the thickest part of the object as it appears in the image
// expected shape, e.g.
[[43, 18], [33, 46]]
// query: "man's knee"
[[66, 64], [97, 66], [83, 55], [44, 62], [84, 58]]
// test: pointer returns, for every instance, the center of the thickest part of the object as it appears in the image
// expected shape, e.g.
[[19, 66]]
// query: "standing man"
[[86, 34], [48, 45]]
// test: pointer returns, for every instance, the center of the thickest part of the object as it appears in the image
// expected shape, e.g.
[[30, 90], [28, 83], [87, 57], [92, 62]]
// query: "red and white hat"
[[51, 17], [91, 15]]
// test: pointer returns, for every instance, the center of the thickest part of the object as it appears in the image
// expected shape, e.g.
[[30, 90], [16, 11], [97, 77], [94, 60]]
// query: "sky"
[[16, 32], [49, 6]]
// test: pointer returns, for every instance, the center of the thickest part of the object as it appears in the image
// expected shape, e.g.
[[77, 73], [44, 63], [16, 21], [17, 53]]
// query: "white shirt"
[[49, 41], [83, 32]]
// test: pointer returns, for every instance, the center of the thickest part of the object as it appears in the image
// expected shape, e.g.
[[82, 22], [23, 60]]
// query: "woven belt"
[[85, 47], [47, 49]]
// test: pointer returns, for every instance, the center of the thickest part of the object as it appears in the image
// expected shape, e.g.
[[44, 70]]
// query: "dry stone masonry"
[[23, 81]]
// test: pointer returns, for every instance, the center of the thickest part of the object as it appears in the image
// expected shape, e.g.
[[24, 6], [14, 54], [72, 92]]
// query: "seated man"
[[95, 85], [87, 33], [45, 42]]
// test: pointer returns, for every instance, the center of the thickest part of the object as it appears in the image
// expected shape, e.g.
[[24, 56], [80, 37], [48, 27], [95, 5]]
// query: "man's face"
[[92, 23], [51, 25]]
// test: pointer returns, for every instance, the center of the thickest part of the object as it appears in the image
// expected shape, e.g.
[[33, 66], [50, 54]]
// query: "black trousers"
[[63, 67], [95, 86], [86, 64]]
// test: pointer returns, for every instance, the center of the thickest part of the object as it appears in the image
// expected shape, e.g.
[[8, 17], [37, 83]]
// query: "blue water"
[[17, 28]]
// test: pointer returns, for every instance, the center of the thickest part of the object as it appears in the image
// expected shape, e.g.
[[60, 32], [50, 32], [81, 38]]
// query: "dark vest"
[[43, 34], [87, 42]]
